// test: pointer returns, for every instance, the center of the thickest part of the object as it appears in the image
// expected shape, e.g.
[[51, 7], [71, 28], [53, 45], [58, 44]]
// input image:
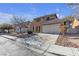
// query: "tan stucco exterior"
[[36, 26]]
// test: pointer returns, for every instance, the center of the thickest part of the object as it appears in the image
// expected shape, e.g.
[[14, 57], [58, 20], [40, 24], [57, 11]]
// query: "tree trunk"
[[8, 31], [20, 30]]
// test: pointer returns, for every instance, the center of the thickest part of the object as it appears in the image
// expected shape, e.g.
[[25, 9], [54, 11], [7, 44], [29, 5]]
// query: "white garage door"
[[51, 28]]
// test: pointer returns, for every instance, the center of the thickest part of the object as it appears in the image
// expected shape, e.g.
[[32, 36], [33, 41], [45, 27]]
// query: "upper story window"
[[53, 18], [48, 18]]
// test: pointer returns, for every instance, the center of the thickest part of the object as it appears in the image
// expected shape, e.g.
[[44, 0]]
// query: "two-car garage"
[[51, 28]]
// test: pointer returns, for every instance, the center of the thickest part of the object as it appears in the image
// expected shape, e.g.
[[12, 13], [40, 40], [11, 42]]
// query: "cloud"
[[57, 9], [5, 18], [28, 17], [32, 14], [60, 16], [33, 10], [75, 6]]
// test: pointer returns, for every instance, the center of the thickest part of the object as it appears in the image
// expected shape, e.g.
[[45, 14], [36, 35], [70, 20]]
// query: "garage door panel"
[[51, 28]]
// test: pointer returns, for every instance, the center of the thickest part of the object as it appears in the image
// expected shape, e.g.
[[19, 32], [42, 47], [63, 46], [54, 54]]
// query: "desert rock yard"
[[39, 40], [68, 40]]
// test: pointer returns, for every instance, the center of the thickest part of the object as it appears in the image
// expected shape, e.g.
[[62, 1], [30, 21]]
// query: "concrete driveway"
[[12, 48]]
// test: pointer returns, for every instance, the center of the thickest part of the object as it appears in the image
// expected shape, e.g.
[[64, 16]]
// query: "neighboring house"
[[68, 24], [73, 30], [70, 29]]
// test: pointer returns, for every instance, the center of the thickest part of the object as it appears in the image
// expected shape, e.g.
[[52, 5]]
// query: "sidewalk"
[[54, 49]]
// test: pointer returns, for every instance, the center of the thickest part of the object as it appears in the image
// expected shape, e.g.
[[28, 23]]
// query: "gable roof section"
[[45, 16]]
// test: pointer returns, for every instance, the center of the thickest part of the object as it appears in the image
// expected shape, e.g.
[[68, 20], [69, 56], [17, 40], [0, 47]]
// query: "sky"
[[32, 10]]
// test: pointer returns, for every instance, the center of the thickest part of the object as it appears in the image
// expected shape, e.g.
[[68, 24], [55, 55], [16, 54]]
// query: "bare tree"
[[75, 9], [4, 27], [18, 22]]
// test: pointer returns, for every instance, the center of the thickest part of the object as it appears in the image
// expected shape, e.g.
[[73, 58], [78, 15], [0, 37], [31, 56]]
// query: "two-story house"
[[46, 24]]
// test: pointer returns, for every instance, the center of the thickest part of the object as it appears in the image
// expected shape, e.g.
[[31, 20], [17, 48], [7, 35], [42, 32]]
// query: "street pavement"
[[12, 48]]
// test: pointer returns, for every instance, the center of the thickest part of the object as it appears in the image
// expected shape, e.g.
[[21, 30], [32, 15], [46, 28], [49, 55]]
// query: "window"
[[64, 23], [48, 19], [39, 28], [52, 18], [33, 28], [36, 28]]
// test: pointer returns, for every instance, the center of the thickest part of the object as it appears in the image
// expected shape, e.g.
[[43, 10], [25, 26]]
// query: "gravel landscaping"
[[39, 40], [66, 41]]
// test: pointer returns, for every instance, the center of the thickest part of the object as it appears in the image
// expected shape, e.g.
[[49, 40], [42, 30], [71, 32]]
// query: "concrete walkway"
[[50, 38]]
